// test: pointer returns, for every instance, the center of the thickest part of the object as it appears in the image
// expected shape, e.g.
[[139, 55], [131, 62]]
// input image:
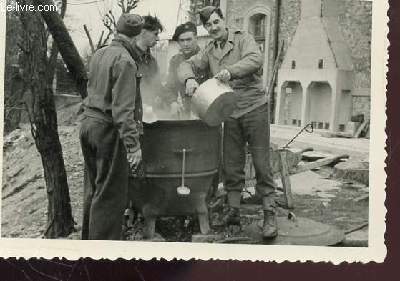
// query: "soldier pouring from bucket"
[[234, 57]]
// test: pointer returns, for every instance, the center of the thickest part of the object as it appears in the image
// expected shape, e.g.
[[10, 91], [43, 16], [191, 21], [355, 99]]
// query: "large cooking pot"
[[214, 102], [175, 154]]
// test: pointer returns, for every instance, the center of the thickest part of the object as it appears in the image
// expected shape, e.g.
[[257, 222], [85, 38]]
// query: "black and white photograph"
[[225, 129]]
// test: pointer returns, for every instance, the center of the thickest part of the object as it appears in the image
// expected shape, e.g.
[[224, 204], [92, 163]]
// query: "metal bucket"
[[214, 102]]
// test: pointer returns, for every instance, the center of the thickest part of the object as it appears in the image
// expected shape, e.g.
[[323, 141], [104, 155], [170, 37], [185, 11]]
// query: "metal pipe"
[[276, 51]]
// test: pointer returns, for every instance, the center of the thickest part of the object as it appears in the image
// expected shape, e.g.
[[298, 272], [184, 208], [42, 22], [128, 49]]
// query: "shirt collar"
[[228, 38]]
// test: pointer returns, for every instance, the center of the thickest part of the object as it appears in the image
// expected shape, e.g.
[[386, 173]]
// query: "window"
[[257, 29], [321, 64], [293, 64], [257, 26]]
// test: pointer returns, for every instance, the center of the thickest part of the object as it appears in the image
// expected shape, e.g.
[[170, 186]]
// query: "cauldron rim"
[[163, 123]]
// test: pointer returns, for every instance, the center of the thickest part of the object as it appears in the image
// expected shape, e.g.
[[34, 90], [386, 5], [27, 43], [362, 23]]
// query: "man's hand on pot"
[[134, 159], [223, 76], [191, 86]]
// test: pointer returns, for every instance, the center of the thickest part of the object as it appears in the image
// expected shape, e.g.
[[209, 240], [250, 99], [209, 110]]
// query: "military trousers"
[[105, 180], [253, 129]]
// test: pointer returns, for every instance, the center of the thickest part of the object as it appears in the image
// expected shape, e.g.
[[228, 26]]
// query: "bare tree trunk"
[[52, 62], [65, 46], [44, 124]]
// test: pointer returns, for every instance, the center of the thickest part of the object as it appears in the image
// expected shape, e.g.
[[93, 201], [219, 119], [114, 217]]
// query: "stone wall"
[[355, 19], [289, 19], [361, 105], [355, 23]]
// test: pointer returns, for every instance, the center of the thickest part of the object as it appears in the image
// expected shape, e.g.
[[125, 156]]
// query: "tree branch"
[[90, 38], [66, 47]]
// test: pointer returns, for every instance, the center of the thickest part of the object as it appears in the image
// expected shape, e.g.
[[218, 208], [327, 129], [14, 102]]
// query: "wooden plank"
[[361, 128], [284, 171], [319, 163]]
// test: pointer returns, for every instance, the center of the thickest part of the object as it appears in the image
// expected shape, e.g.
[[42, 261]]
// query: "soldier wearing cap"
[[186, 37], [109, 132], [233, 57]]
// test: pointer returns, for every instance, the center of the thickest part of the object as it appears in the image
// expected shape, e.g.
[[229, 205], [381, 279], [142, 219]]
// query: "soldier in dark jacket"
[[109, 132], [186, 37], [233, 57]]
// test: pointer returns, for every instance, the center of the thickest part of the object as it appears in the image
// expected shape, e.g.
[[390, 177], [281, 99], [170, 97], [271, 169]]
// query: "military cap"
[[130, 24], [206, 12], [185, 27]]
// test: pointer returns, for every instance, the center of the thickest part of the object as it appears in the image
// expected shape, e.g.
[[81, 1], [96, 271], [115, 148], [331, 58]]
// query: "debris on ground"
[[353, 170]]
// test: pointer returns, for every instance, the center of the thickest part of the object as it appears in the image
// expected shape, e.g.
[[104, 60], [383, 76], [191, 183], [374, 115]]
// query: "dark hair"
[[204, 17], [152, 23]]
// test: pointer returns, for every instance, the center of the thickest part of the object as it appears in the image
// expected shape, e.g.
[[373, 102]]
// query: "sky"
[[90, 12]]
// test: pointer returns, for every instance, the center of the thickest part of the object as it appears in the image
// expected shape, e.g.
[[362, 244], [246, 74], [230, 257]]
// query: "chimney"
[[315, 79], [318, 42]]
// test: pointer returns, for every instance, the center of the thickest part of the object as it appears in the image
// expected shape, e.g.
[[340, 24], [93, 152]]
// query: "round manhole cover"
[[300, 231]]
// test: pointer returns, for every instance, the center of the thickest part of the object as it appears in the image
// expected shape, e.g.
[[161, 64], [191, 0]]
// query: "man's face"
[[215, 26], [187, 42], [150, 37]]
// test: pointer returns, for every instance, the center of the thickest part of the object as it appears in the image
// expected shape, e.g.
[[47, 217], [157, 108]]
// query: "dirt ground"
[[24, 201]]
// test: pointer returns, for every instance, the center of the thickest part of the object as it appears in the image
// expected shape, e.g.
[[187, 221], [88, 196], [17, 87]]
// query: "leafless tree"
[[110, 23], [43, 119]]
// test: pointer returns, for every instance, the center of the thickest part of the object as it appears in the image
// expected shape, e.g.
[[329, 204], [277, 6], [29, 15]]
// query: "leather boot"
[[231, 217], [270, 226]]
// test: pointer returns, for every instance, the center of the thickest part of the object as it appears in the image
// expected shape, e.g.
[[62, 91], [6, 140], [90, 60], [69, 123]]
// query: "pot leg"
[[204, 223], [150, 214], [149, 227]]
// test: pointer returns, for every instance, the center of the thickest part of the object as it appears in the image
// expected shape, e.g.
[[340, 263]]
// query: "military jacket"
[[112, 91], [241, 56]]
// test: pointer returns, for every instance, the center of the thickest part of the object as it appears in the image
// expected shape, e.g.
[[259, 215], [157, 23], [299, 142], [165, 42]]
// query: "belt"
[[98, 114], [106, 116]]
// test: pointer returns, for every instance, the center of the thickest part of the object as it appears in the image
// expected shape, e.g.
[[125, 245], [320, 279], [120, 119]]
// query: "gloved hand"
[[134, 159], [223, 76], [191, 86]]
